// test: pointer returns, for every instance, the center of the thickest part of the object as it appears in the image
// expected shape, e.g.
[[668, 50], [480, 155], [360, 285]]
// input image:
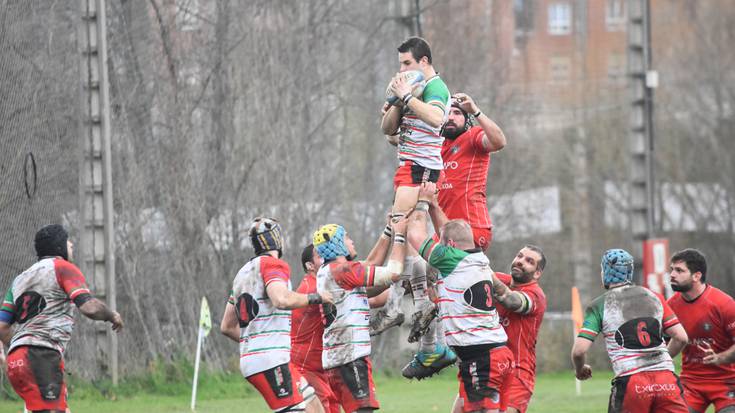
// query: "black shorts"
[[410, 173]]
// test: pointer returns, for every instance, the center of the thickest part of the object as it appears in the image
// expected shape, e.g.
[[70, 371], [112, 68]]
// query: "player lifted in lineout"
[[258, 317], [417, 120], [466, 155]]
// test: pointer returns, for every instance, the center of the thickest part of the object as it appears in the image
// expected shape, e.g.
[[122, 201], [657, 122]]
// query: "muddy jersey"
[[708, 319], [522, 328], [466, 308], [419, 142], [346, 323], [632, 320], [466, 164], [40, 302], [265, 331], [307, 329]]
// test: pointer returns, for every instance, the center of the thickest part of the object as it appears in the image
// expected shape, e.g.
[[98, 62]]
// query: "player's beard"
[[452, 133], [519, 276], [681, 288]]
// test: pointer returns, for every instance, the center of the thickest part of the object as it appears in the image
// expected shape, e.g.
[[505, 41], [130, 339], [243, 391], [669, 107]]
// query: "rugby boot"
[[424, 365], [425, 313]]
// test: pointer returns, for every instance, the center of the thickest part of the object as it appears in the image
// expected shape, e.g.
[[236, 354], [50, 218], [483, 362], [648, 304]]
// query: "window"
[[616, 69], [560, 69], [187, 15], [615, 15], [560, 18], [523, 13]]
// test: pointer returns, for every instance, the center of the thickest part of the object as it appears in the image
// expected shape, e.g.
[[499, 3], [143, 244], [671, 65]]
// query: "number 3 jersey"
[[632, 320], [265, 331], [466, 307], [40, 301]]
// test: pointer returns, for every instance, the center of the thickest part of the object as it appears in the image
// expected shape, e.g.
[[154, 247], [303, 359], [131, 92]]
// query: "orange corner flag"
[[577, 316]]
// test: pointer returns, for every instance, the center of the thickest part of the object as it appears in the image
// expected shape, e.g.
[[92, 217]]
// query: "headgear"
[[265, 235]]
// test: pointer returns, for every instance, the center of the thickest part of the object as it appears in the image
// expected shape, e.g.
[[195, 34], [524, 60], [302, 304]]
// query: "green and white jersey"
[[632, 320], [465, 286], [419, 142]]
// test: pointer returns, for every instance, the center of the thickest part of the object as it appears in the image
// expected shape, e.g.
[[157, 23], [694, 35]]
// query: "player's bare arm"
[[512, 300], [678, 340], [229, 325], [493, 139], [6, 333], [97, 310], [432, 115], [428, 193], [391, 120], [582, 370], [391, 272], [710, 357], [285, 299]]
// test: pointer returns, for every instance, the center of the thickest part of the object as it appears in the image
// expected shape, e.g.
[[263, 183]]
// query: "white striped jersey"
[[265, 331], [419, 142], [632, 320], [40, 302], [346, 329], [466, 307]]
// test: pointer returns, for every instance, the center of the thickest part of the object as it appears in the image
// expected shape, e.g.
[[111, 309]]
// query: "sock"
[[440, 338], [427, 344], [393, 304], [418, 279]]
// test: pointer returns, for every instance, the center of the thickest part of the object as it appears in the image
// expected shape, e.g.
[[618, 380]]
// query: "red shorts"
[[483, 380], [410, 173], [282, 386], [353, 385], [518, 393], [37, 375], [482, 236], [699, 394], [319, 381], [647, 391]]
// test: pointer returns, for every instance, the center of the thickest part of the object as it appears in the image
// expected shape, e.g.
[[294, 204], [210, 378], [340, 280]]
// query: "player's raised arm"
[[493, 139], [391, 120], [515, 301], [430, 112]]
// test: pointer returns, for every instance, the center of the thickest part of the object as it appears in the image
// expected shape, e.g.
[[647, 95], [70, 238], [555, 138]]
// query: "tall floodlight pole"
[[642, 81], [97, 225]]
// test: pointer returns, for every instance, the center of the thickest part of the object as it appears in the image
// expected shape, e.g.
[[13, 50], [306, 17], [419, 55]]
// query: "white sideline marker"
[[205, 325]]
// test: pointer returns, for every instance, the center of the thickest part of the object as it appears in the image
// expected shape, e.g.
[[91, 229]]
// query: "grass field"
[[230, 394]]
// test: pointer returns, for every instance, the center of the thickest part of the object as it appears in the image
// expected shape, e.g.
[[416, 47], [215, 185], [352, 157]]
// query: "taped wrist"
[[384, 275], [388, 231], [314, 298], [422, 205], [400, 239]]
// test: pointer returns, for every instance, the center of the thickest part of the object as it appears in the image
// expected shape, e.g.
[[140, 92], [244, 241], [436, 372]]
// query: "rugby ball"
[[415, 79]]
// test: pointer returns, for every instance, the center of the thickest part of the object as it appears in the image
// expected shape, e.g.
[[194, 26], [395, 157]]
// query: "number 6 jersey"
[[632, 320]]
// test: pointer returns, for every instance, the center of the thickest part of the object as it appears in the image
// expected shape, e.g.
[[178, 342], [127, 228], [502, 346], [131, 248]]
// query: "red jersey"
[[522, 329], [307, 328], [466, 163], [709, 318]]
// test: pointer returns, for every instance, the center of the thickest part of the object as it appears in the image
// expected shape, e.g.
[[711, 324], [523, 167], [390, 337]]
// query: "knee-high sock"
[[418, 278], [427, 344]]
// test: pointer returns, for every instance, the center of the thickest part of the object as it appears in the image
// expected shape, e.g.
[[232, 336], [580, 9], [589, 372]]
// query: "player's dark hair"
[[694, 260], [418, 48], [307, 255], [542, 262]]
